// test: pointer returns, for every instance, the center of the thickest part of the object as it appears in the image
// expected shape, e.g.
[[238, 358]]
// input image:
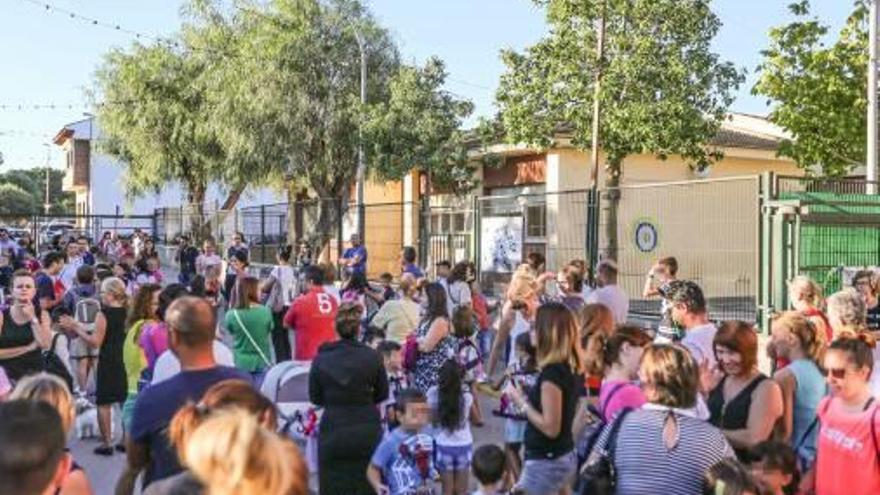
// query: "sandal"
[[104, 450]]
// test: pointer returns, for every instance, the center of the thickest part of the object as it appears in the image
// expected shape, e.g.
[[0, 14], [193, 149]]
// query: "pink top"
[[617, 395], [154, 341], [846, 460]]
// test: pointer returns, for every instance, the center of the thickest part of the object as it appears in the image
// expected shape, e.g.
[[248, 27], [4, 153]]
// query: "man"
[[191, 337], [688, 310], [7, 244], [661, 273], [865, 281], [85, 250], [443, 269], [74, 261], [311, 316], [354, 259], [609, 293], [84, 291], [236, 249], [408, 263], [187, 254], [33, 459], [50, 291]]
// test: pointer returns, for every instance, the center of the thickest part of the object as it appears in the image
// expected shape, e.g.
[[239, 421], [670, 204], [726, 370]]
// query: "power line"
[[96, 22]]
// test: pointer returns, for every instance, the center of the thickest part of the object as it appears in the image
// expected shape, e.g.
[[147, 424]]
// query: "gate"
[[822, 228]]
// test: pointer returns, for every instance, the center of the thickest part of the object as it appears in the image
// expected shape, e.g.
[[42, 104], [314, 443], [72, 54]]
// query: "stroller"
[[287, 385]]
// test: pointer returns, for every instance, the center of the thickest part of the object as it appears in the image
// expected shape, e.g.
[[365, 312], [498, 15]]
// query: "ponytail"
[[805, 332], [602, 350]]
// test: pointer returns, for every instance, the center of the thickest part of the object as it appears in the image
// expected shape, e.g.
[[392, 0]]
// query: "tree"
[[818, 92], [663, 90], [16, 201], [156, 120], [286, 103]]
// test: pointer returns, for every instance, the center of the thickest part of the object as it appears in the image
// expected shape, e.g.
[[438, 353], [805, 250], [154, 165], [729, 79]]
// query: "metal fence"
[[45, 229]]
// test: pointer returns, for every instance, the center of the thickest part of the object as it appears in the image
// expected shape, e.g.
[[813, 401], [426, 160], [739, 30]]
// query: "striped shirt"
[[646, 467]]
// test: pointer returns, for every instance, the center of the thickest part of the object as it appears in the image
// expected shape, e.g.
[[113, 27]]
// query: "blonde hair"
[[51, 390], [849, 307], [523, 286], [557, 337], [116, 289], [807, 289], [671, 376], [231, 454], [811, 340]]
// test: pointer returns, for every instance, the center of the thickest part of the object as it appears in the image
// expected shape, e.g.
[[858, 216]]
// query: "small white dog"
[[86, 419]]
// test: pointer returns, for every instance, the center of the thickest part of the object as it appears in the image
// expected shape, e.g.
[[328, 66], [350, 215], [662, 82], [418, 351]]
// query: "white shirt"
[[458, 293], [68, 273], [698, 341], [613, 298], [333, 291], [203, 262], [168, 365], [460, 437], [874, 380], [285, 276]]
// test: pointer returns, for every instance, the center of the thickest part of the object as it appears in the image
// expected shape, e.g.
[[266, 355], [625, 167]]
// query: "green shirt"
[[133, 356], [259, 323]]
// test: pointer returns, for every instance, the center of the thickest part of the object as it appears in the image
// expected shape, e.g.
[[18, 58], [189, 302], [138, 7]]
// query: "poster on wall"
[[501, 249]]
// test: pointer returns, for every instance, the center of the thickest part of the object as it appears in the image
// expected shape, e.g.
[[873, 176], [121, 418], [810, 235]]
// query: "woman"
[[516, 316], [53, 391], [595, 319], [847, 313], [154, 336], [435, 340], [280, 290], [232, 454], [459, 287], [250, 324], [108, 336], [24, 332], [663, 447], [223, 396], [349, 381], [551, 403], [398, 317], [806, 298], [796, 340], [149, 252], [745, 404], [616, 358], [143, 311], [357, 290], [846, 454], [238, 269]]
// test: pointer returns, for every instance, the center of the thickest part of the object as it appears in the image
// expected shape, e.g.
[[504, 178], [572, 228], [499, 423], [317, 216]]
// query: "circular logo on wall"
[[646, 236]]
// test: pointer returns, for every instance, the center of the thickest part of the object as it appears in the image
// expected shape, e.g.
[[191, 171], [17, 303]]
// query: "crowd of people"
[[402, 368]]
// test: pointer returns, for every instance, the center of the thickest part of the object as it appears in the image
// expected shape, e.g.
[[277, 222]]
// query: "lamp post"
[[361, 165], [46, 203]]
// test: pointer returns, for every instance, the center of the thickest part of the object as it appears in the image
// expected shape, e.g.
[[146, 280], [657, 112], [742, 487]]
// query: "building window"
[[536, 221]]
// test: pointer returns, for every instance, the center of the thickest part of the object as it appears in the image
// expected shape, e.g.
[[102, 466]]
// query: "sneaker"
[[104, 450]]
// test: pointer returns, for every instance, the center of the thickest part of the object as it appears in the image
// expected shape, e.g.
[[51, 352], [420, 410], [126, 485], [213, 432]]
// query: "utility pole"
[[594, 147], [871, 172], [46, 203], [362, 165]]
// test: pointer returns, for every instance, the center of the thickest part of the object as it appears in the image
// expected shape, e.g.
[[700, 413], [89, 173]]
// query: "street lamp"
[[46, 203], [362, 165]]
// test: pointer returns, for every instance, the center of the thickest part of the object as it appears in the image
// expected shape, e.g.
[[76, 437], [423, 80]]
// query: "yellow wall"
[[383, 214]]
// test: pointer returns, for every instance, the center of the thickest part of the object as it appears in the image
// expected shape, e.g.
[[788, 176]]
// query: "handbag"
[[247, 334], [52, 364], [410, 352], [599, 476]]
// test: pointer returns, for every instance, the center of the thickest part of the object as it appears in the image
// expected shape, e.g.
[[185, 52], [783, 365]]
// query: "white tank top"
[[520, 325]]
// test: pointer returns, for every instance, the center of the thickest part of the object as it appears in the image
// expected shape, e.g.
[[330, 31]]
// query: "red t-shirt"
[[311, 317], [481, 309], [846, 462]]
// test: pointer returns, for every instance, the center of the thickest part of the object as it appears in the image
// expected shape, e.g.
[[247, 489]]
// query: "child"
[[148, 272], [393, 360], [403, 464], [468, 354], [451, 402], [387, 290], [524, 371], [489, 469], [774, 464]]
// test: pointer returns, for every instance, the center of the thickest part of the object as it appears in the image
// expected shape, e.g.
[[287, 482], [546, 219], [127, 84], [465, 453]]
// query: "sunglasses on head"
[[838, 373]]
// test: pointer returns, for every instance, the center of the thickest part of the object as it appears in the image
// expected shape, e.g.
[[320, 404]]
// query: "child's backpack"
[[86, 309]]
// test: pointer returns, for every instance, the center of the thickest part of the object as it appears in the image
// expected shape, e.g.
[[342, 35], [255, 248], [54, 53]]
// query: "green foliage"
[[16, 201], [818, 92], [663, 89], [157, 120], [33, 182], [26, 181]]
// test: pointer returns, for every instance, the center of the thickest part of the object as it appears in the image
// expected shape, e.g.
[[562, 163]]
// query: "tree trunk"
[[199, 228], [610, 202]]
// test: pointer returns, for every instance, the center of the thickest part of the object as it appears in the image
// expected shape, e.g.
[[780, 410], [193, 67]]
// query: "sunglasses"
[[838, 373]]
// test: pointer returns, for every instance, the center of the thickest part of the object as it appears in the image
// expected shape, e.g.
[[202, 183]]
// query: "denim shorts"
[[547, 476], [453, 458]]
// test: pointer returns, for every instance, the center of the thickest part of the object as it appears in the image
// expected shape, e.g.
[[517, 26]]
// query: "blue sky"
[[47, 58]]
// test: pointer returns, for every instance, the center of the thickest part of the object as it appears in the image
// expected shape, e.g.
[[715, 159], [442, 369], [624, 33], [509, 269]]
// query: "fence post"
[[181, 219], [475, 239], [340, 212], [263, 232]]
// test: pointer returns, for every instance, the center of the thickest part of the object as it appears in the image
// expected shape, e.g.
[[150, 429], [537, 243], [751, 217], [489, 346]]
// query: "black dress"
[[15, 335], [111, 379], [348, 379], [733, 415]]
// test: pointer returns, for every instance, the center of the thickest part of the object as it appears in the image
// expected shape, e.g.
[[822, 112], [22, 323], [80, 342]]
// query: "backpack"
[[585, 443], [86, 309]]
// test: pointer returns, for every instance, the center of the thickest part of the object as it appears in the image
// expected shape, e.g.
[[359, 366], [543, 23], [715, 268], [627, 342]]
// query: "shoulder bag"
[[253, 342]]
